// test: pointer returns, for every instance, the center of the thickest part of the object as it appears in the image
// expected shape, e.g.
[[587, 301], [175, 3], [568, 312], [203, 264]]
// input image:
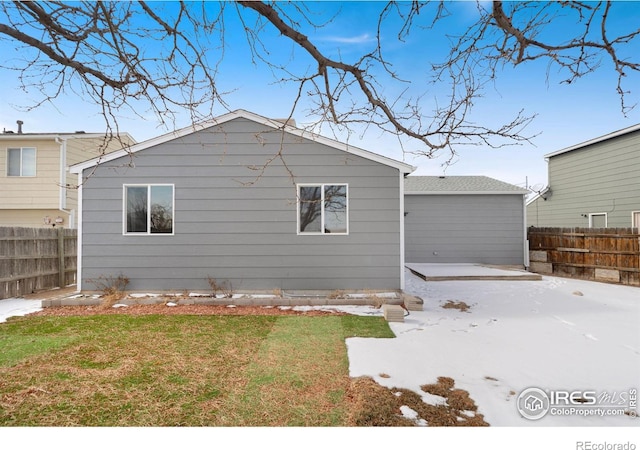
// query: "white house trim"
[[633, 216], [405, 168], [466, 193], [606, 218]]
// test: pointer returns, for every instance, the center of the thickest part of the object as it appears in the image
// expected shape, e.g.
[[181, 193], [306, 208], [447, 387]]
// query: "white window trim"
[[148, 232], [319, 233], [633, 213], [606, 218], [35, 162]]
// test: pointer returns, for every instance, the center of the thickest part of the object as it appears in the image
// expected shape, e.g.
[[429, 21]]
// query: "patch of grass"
[[358, 326], [14, 348], [375, 405], [179, 370], [459, 409]]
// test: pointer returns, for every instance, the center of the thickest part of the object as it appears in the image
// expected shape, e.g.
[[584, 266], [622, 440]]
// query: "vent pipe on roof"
[[19, 122]]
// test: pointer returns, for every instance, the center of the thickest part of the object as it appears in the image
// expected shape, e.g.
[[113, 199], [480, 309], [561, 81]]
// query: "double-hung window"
[[323, 209], [21, 162], [148, 209]]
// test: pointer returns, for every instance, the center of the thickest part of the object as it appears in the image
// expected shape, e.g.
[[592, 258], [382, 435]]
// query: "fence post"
[[61, 268]]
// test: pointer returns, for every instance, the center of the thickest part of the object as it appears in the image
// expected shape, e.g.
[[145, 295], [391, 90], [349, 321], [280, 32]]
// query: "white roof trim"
[[34, 137], [466, 193], [595, 140], [405, 168]]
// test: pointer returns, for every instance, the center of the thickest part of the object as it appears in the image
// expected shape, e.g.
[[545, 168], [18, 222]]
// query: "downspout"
[[401, 230], [62, 201], [79, 234], [527, 263]]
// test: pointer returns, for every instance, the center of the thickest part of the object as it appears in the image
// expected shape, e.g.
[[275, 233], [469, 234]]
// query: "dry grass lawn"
[[200, 366]]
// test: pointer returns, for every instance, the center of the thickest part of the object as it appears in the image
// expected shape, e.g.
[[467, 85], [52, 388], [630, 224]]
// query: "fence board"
[[578, 252], [34, 259]]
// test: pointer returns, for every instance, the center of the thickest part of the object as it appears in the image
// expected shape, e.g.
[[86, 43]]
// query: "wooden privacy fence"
[[602, 254], [33, 259]]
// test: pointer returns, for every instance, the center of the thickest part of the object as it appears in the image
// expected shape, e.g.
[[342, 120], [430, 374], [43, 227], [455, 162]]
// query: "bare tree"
[[163, 58]]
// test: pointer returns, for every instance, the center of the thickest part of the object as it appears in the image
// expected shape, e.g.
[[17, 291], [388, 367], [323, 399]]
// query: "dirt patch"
[[460, 306], [200, 310]]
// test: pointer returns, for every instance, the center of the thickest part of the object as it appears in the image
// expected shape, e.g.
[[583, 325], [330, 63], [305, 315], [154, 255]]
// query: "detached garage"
[[464, 219]]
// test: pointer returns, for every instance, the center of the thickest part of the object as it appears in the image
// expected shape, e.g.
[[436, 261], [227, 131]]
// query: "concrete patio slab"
[[445, 272]]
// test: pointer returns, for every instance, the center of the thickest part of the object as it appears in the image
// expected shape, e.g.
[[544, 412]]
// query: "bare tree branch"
[[164, 58]]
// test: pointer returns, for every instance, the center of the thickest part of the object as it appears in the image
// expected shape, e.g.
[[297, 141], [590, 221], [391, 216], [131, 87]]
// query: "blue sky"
[[566, 114]]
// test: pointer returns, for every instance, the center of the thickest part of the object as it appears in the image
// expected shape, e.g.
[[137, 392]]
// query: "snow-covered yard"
[[556, 335]]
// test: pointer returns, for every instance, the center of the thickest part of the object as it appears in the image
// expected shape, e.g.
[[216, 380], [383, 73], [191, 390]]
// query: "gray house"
[[464, 219], [247, 201], [592, 184]]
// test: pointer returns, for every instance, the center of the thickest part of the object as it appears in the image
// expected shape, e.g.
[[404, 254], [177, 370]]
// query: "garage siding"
[[487, 229]]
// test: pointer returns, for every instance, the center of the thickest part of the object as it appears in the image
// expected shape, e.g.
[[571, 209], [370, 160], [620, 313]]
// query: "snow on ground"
[[18, 307], [555, 334]]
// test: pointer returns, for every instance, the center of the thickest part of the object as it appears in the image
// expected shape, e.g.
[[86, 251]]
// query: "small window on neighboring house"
[[635, 219], [21, 162], [323, 209], [148, 209], [598, 220]]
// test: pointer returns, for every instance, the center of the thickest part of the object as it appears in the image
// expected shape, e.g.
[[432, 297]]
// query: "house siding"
[[601, 178], [81, 149], [235, 215], [478, 228], [38, 192], [26, 201]]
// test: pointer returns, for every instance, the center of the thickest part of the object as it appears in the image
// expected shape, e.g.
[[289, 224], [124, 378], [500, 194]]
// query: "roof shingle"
[[458, 184]]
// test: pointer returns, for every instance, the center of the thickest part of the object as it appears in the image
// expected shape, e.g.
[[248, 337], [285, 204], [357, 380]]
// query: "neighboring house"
[[593, 184], [464, 219], [33, 175], [245, 201]]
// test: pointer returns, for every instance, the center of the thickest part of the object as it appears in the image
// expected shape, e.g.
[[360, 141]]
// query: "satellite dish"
[[537, 187]]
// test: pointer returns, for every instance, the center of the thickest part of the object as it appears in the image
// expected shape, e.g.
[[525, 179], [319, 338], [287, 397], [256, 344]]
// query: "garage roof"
[[416, 185]]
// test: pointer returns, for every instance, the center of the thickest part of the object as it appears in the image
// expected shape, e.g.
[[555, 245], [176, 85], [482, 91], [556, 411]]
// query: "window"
[[148, 209], [21, 162], [322, 209], [598, 220]]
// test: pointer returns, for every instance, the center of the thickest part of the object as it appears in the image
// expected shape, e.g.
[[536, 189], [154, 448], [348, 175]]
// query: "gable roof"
[[605, 137], [454, 185], [240, 113]]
